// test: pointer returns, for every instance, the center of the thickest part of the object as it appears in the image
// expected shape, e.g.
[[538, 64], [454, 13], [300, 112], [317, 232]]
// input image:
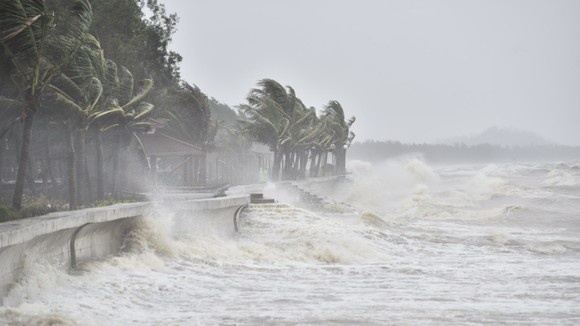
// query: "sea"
[[397, 243]]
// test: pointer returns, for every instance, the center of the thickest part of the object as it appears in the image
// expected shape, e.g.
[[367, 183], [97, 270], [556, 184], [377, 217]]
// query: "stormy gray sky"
[[409, 70]]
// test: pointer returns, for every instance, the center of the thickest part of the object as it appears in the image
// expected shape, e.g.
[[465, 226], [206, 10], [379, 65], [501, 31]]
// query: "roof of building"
[[159, 144]]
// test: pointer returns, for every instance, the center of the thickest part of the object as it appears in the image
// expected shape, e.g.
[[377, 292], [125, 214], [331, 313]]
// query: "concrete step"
[[263, 201], [258, 198]]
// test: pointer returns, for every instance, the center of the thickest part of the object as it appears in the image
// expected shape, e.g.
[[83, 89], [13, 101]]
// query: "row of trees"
[[54, 75], [277, 118], [77, 84]]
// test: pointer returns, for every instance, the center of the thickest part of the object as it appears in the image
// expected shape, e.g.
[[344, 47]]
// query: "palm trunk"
[[341, 161], [80, 166], [312, 163], [2, 150], [296, 167], [276, 166], [23, 162], [89, 189], [287, 165], [30, 176], [203, 168], [303, 163], [100, 167], [48, 170], [322, 158], [116, 173], [72, 175]]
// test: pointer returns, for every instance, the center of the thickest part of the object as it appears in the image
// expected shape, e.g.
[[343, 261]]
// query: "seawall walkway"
[[65, 239]]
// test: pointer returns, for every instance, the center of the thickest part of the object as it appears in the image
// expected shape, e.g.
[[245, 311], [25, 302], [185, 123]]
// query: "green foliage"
[[35, 206], [276, 117], [7, 213], [188, 111], [37, 53], [134, 41], [339, 127], [112, 201]]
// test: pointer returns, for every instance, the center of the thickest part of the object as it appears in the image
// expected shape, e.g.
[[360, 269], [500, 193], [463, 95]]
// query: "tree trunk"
[[203, 169], [296, 167], [23, 162], [122, 182], [312, 163], [322, 160], [72, 174], [48, 173], [287, 165], [2, 150], [80, 166], [303, 163], [276, 166], [100, 167], [341, 161], [31, 176], [196, 169], [116, 173], [88, 188]]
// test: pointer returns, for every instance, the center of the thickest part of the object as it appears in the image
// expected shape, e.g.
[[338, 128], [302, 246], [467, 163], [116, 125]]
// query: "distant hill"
[[379, 151], [500, 137]]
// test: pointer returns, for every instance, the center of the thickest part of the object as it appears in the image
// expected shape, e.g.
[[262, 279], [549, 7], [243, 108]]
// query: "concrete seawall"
[[65, 239]]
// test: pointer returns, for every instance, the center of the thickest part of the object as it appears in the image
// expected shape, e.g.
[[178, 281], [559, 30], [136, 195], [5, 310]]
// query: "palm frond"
[[145, 86], [124, 91], [68, 108], [144, 110]]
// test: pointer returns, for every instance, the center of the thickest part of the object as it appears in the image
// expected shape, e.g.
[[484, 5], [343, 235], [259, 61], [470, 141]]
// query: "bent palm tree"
[[189, 113], [342, 136], [36, 54], [127, 114], [272, 112]]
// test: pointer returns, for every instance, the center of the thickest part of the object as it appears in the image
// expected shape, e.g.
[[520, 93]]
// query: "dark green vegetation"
[[92, 110], [277, 117]]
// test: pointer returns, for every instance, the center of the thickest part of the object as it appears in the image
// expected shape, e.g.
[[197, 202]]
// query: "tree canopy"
[[102, 73]]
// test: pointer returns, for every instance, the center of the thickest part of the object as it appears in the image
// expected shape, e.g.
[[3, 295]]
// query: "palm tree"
[[77, 92], [304, 136], [127, 114], [188, 110], [342, 136], [36, 54], [272, 112]]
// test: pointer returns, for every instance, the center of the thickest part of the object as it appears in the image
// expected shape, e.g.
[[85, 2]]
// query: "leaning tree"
[[37, 50], [341, 135]]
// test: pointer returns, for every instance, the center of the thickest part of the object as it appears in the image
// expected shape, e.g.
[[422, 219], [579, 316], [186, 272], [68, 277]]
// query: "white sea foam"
[[561, 178], [461, 245]]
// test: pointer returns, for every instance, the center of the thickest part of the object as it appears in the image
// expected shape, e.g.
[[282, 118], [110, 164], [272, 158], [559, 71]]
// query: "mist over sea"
[[398, 243]]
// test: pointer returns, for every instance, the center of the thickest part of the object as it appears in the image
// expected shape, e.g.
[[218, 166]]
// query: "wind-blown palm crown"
[[36, 53], [341, 134], [128, 110], [272, 111], [278, 118], [334, 114]]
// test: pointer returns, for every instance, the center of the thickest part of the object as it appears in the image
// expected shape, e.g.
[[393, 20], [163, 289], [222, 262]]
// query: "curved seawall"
[[66, 239]]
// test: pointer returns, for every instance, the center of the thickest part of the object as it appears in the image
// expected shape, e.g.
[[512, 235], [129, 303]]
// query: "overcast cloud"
[[408, 70]]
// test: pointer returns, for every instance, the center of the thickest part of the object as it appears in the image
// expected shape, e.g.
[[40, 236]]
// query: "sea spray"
[[383, 187], [424, 251], [373, 220]]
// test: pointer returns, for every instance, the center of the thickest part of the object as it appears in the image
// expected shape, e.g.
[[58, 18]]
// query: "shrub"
[[35, 206], [6, 213]]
